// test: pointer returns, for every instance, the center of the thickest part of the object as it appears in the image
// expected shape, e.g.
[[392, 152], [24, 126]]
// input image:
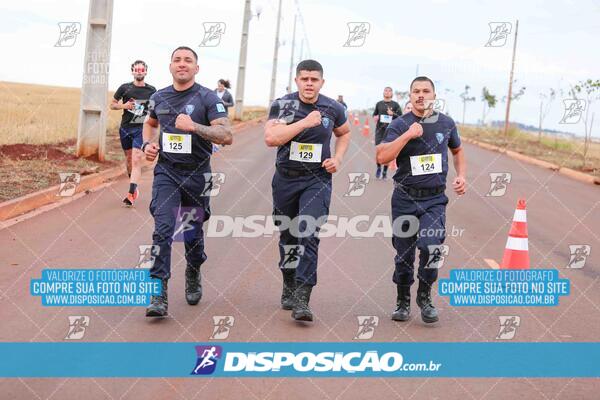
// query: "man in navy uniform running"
[[419, 141], [191, 118], [300, 125]]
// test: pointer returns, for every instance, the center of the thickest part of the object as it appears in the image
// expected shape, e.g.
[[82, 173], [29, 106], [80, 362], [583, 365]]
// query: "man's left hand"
[[331, 165], [459, 185]]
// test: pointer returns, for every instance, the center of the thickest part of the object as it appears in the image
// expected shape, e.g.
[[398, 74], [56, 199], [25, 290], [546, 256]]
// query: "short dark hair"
[[185, 48], [136, 62], [309, 65], [422, 79], [388, 87]]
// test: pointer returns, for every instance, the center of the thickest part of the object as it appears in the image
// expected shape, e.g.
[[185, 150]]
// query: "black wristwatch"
[[144, 146]]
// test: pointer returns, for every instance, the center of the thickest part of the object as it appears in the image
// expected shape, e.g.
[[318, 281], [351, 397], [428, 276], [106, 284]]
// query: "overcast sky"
[[557, 46]]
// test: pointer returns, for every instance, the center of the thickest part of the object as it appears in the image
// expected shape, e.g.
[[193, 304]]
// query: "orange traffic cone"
[[516, 253], [356, 121], [366, 128]]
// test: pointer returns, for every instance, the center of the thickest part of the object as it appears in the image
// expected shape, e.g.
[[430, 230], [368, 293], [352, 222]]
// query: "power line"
[[301, 18]]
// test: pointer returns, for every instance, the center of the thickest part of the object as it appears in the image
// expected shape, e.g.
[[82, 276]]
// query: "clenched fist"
[[151, 151], [313, 119], [415, 130], [184, 122]]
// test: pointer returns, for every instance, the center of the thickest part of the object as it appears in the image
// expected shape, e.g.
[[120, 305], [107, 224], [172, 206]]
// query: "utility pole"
[[91, 130], [292, 56], [275, 51], [510, 82], [301, 50], [241, 77]]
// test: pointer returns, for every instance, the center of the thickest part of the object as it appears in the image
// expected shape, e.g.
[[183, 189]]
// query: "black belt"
[[420, 192], [295, 173], [183, 166]]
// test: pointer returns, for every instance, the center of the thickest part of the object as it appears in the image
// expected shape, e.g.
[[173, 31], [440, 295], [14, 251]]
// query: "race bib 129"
[[306, 152]]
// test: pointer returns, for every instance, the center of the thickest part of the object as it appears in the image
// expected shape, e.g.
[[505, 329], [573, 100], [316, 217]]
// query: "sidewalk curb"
[[568, 172], [32, 201]]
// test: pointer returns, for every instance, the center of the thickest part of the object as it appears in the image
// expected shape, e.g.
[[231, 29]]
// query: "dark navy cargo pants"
[[173, 192], [301, 200], [431, 213]]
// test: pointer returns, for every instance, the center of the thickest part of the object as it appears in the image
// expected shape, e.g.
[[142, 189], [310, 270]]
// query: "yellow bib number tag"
[[306, 152], [177, 143], [426, 164]]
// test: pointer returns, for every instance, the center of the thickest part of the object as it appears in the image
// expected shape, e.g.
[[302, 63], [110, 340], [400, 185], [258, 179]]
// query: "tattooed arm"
[[219, 131]]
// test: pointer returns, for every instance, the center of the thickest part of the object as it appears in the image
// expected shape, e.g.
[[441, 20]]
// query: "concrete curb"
[[571, 173], [24, 204]]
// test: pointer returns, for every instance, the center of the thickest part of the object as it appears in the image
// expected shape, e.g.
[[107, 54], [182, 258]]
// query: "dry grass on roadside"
[[38, 114], [563, 152], [38, 133]]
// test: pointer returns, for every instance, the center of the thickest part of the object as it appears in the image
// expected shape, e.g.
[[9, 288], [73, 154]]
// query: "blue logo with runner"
[[189, 109], [440, 137], [207, 359], [325, 121]]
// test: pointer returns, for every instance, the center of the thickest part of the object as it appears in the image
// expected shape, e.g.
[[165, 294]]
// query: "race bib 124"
[[426, 164]]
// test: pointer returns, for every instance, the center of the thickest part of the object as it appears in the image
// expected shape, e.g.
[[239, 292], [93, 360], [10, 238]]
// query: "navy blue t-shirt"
[[437, 137], [202, 105], [291, 109]]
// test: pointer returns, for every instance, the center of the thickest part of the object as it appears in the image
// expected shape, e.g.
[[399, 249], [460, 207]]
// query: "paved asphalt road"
[[241, 279]]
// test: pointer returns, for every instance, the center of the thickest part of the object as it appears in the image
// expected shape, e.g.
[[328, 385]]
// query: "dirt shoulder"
[[28, 168]]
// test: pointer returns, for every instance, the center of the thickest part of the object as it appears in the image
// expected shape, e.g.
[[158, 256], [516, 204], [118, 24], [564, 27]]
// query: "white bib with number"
[[426, 164], [306, 152], [385, 119], [177, 143]]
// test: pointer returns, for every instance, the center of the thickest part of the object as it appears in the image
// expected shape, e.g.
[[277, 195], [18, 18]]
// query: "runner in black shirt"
[[385, 111], [133, 98]]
